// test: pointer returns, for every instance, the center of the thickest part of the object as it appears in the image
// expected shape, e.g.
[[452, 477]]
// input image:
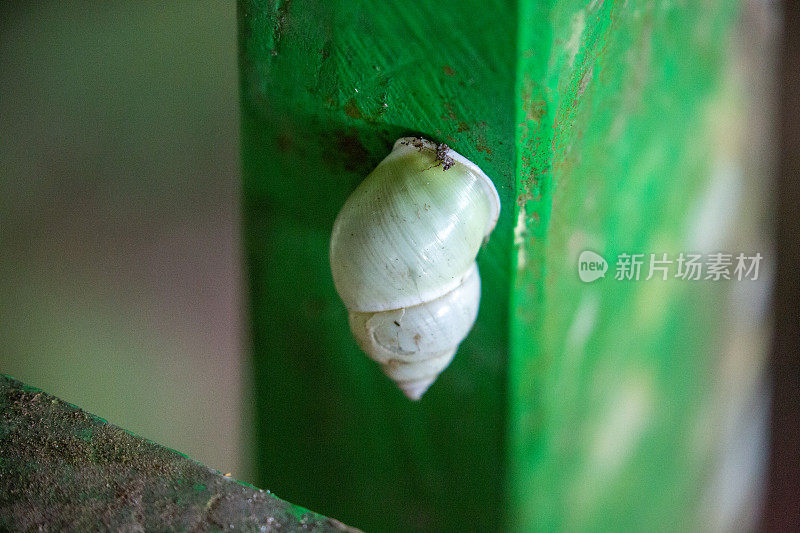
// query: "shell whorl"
[[403, 253]]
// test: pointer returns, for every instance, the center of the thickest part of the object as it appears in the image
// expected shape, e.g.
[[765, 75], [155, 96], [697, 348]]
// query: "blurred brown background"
[[118, 215]]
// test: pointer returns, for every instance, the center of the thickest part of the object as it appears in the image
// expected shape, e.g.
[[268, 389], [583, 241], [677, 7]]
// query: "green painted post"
[[590, 119]]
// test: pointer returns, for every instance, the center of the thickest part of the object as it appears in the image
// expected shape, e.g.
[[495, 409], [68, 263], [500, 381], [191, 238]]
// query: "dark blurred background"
[[119, 173]]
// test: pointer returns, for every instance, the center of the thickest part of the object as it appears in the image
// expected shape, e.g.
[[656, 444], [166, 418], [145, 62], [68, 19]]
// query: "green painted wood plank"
[[62, 469], [590, 119], [327, 88], [609, 380]]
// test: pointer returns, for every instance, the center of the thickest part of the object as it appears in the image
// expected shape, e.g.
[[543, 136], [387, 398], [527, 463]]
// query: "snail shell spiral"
[[403, 253]]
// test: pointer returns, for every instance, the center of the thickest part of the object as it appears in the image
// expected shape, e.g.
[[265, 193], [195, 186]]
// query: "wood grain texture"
[[569, 405], [617, 143], [327, 88]]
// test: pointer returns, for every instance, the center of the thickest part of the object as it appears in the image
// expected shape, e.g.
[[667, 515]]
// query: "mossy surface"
[[62, 469]]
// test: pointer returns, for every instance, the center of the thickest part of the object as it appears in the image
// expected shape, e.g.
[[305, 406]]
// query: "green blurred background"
[[119, 172]]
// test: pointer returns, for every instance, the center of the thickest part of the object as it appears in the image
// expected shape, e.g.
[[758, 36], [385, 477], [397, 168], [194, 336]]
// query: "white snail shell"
[[403, 254]]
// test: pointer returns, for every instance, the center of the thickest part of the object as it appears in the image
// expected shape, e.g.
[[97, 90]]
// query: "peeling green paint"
[[592, 120]]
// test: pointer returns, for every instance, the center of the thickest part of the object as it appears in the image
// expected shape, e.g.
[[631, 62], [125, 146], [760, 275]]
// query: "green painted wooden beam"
[[592, 120], [62, 469], [617, 136]]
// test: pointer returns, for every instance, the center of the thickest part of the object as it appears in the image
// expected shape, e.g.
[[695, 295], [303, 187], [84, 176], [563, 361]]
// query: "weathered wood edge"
[[63, 469]]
